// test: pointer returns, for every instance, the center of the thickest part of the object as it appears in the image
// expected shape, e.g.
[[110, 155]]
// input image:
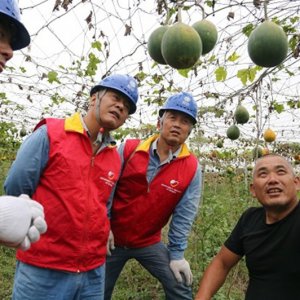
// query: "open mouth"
[[274, 191], [174, 132]]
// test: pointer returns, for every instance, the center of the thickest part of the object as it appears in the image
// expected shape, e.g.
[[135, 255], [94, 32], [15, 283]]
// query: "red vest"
[[140, 210], [73, 189]]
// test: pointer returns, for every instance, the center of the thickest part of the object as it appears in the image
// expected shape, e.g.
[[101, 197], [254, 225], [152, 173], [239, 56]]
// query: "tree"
[[76, 43]]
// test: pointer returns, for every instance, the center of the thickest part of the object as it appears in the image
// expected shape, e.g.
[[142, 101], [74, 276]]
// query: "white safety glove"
[[182, 271], [21, 221], [110, 243]]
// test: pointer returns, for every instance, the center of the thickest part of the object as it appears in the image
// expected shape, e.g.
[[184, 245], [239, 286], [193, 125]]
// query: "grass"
[[222, 203]]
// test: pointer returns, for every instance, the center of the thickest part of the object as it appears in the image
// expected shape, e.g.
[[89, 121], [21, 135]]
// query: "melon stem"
[[265, 9], [179, 14], [167, 17]]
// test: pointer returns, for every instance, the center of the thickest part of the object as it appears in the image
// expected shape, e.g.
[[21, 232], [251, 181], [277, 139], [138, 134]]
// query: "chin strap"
[[100, 134], [99, 96], [99, 138]]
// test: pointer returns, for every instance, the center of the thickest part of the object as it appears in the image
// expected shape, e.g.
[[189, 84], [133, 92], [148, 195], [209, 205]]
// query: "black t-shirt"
[[272, 253]]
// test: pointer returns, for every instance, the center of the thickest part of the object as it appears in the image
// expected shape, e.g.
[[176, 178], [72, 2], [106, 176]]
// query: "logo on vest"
[[173, 183], [108, 180], [111, 175], [172, 187]]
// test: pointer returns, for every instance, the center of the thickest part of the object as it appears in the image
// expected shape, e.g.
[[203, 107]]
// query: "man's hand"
[[21, 221], [110, 243], [182, 271]]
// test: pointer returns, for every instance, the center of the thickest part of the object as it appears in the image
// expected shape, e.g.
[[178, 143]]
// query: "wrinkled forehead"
[[270, 162], [174, 112]]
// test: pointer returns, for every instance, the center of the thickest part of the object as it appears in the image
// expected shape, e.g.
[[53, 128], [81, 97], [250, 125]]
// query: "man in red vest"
[[70, 166], [161, 179], [21, 219]]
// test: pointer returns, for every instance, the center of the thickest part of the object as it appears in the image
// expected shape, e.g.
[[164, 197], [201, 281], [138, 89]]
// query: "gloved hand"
[[110, 243], [182, 271], [21, 221]]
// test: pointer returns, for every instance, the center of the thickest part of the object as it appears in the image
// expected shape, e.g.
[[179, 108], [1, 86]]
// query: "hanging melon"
[[233, 132], [241, 115], [181, 46], [267, 45], [154, 44], [257, 152], [208, 34], [269, 135], [219, 143]]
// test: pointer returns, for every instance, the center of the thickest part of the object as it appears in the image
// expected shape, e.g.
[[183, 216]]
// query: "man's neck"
[[163, 149], [274, 215]]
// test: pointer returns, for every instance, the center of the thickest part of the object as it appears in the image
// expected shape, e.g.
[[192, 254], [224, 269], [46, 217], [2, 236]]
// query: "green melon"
[[208, 34], [233, 132], [257, 152], [219, 143], [241, 115], [267, 45], [154, 44], [181, 46], [23, 132]]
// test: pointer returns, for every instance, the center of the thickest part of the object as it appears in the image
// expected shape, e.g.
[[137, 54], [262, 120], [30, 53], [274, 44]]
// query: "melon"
[[229, 170], [219, 143], [181, 46], [208, 34], [297, 157], [23, 132], [233, 132], [269, 135], [257, 152], [154, 44], [241, 115], [267, 45]]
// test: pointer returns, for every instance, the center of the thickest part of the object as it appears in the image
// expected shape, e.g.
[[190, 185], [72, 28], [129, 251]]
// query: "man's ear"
[[93, 100], [159, 124], [297, 183], [252, 190]]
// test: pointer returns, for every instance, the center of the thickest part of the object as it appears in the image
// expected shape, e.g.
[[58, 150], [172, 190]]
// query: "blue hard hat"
[[9, 10], [183, 102], [124, 84]]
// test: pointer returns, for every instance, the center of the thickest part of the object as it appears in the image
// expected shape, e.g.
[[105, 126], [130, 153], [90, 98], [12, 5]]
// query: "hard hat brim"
[[97, 88], [162, 110], [22, 37]]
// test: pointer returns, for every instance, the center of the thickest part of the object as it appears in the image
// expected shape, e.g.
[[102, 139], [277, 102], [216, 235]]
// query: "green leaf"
[[57, 99], [293, 41], [97, 45], [92, 65], [278, 107], [212, 59], [290, 72], [221, 74], [141, 75], [243, 76], [209, 3], [252, 74], [248, 29], [247, 74], [52, 77], [291, 104], [233, 57], [184, 72]]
